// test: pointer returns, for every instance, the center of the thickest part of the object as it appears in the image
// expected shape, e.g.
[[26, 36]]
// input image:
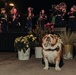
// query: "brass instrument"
[[74, 7], [40, 17], [29, 16], [72, 10], [14, 17], [61, 7]]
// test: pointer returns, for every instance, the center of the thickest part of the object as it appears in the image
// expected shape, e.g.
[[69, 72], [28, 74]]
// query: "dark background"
[[40, 4], [37, 4], [7, 39]]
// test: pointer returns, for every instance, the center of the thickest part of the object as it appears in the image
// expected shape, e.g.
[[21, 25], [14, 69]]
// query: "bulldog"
[[51, 50]]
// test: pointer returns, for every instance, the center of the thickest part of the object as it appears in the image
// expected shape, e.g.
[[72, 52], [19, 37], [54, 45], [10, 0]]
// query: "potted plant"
[[39, 33], [68, 39], [23, 44]]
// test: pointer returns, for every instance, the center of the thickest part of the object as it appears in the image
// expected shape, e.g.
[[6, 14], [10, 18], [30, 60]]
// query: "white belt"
[[3, 18], [58, 15], [71, 16]]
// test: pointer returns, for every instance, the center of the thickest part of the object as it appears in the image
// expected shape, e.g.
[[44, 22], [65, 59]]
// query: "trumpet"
[[40, 17], [29, 16]]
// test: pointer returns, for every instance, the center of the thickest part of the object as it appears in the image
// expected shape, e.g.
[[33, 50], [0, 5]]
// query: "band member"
[[52, 14], [72, 19], [52, 19], [14, 20], [60, 13], [29, 17], [42, 19], [3, 20]]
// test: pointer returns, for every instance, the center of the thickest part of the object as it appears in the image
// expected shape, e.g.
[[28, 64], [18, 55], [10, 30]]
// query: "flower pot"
[[24, 56], [38, 52], [68, 52]]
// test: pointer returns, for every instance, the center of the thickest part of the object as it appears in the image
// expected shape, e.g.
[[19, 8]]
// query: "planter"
[[24, 56], [68, 52], [38, 52]]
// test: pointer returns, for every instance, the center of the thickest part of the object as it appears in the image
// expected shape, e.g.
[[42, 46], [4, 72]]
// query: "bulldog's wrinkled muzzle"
[[48, 39]]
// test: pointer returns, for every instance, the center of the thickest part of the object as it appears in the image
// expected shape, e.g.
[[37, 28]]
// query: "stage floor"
[[10, 65]]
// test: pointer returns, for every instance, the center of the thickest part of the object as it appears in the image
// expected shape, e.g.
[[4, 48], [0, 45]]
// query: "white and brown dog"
[[52, 49]]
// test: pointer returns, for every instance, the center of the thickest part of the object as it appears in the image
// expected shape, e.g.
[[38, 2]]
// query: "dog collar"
[[56, 49]]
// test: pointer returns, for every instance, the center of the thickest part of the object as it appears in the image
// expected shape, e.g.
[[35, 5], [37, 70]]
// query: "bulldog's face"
[[49, 40]]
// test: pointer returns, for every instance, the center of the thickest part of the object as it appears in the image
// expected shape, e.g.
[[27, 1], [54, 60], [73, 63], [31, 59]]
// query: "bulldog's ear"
[[43, 38], [55, 39], [55, 36]]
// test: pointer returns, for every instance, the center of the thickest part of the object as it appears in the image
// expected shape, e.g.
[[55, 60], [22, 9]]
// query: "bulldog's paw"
[[46, 68], [57, 68]]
